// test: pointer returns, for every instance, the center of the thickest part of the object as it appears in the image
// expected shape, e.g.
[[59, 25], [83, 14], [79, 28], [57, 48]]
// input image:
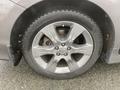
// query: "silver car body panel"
[[10, 10]]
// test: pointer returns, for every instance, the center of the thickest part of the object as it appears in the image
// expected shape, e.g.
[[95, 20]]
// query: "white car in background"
[[60, 39]]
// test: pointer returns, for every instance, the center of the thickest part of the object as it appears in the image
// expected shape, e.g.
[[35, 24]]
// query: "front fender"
[[111, 7], [9, 12]]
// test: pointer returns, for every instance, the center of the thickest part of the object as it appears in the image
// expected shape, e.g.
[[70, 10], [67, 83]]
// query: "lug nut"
[[63, 44], [57, 48], [58, 54], [69, 48], [65, 54], [63, 25]]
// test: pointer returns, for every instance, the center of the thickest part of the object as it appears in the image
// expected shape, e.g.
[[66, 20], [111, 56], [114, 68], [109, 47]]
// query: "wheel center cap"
[[63, 50]]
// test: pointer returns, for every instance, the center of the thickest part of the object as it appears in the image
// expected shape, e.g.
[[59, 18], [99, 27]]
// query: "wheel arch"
[[92, 10]]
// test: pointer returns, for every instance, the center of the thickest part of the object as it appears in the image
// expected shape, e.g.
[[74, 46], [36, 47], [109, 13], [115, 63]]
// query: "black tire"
[[66, 15]]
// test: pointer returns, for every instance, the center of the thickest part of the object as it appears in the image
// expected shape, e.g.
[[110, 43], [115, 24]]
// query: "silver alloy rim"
[[62, 48]]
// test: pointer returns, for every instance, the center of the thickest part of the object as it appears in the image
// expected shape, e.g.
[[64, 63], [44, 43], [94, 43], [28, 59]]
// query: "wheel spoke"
[[40, 51], [83, 49], [72, 64], [50, 33], [52, 65], [75, 32]]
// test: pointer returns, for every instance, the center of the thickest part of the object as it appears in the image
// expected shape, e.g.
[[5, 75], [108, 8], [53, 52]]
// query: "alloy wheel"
[[62, 47]]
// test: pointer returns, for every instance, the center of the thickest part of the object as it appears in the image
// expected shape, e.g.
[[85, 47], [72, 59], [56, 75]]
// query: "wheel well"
[[95, 12]]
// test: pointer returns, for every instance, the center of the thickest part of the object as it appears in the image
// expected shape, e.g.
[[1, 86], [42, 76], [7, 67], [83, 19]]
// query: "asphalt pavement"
[[22, 77]]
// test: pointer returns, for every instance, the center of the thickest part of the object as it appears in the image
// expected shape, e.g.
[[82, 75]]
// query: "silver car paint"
[[10, 10]]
